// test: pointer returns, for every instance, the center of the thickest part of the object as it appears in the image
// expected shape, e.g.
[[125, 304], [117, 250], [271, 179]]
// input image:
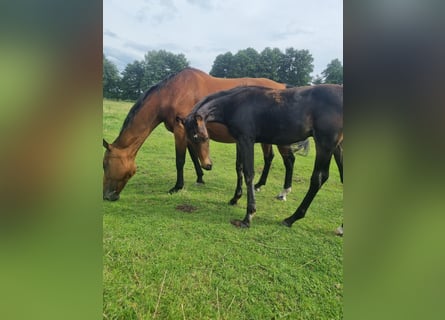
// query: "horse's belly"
[[219, 132], [282, 137]]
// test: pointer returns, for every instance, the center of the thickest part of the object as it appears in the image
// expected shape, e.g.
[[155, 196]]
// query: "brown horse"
[[175, 97], [258, 114]]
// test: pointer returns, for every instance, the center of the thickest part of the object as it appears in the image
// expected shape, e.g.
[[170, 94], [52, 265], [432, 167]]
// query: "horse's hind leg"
[[198, 170], [338, 155], [239, 181], [288, 160], [319, 176], [268, 157]]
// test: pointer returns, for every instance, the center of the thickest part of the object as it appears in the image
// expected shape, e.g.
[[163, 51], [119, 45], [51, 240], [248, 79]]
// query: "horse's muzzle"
[[111, 196], [207, 166]]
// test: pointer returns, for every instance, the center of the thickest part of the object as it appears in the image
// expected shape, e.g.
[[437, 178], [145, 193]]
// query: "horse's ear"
[[179, 119], [106, 144]]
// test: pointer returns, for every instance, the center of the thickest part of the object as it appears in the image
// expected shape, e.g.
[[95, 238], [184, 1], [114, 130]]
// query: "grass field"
[[164, 262]]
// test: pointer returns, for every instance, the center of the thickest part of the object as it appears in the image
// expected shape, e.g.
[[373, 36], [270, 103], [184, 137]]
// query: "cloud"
[[110, 34], [291, 30], [138, 46], [203, 4], [203, 29], [119, 57], [156, 12]]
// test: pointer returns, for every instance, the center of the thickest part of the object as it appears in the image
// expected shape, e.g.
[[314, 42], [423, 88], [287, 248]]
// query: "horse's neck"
[[134, 135]]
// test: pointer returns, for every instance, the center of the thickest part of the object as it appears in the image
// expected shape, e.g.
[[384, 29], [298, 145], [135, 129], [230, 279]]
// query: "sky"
[[203, 29]]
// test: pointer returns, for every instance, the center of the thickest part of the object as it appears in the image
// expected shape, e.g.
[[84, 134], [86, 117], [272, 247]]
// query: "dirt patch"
[[185, 208]]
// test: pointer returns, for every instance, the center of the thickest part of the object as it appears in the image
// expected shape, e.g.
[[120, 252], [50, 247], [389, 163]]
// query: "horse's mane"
[[155, 88]]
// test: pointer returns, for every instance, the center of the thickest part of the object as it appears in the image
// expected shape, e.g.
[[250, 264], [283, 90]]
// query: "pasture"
[[178, 257]]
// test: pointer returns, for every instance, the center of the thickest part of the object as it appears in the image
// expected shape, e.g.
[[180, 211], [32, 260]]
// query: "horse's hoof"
[[232, 202], [281, 197], [200, 183], [339, 231], [174, 190], [286, 223], [239, 224]]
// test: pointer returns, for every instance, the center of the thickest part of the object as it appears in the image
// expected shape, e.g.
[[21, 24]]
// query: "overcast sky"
[[203, 29]]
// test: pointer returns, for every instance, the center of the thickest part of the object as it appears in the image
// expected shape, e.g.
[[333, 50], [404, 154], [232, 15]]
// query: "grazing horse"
[[163, 102], [281, 117]]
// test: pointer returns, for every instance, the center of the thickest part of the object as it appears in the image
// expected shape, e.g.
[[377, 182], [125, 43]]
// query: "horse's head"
[[198, 137], [118, 169]]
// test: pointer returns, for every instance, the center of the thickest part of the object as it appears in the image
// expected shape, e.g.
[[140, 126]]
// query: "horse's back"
[[276, 116]]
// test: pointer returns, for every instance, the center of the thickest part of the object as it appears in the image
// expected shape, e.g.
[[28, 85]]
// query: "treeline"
[[293, 67]]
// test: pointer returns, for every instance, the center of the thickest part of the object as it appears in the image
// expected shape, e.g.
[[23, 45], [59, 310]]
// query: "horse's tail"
[[301, 147]]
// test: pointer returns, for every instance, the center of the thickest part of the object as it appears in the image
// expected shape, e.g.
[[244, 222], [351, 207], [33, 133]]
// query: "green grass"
[[163, 263]]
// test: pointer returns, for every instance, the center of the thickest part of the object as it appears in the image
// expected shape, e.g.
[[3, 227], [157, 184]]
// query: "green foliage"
[[245, 64], [161, 262], [140, 75], [334, 72], [160, 64], [296, 67], [270, 63], [318, 79], [132, 77], [110, 80], [223, 65], [292, 67]]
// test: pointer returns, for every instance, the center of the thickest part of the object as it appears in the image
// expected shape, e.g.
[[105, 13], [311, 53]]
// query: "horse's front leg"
[[198, 170], [239, 178], [180, 150], [245, 149]]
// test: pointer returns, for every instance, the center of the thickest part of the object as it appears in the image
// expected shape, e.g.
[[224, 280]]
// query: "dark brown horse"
[[162, 103], [282, 117]]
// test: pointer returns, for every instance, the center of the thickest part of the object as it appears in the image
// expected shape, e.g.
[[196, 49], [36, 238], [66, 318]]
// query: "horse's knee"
[[319, 178]]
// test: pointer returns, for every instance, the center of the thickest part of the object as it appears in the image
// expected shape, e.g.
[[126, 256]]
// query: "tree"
[[222, 66], [131, 83], [269, 63], [333, 72], [318, 79], [246, 64], [110, 79], [292, 67], [160, 64], [296, 67]]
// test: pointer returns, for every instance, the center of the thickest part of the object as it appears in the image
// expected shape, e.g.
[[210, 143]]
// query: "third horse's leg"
[[180, 150], [288, 160], [198, 169], [268, 156], [239, 181]]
